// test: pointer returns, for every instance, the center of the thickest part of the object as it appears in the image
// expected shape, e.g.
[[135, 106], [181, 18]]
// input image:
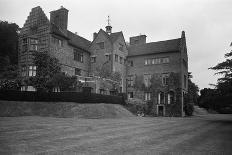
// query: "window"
[[33, 47], [24, 71], [120, 47], [148, 61], [147, 79], [56, 89], [130, 81], [78, 55], [25, 41], [77, 71], [165, 60], [147, 96], [34, 41], [57, 41], [130, 95], [120, 60], [33, 44], [171, 97], [131, 63], [28, 88], [32, 70], [93, 59], [107, 55], [101, 45], [116, 58], [60, 43], [161, 98], [165, 79], [102, 91]]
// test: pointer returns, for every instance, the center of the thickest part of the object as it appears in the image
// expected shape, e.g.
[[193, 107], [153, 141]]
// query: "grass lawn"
[[133, 135]]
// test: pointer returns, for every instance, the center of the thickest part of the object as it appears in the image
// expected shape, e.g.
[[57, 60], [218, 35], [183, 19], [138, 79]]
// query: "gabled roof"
[[78, 41], [114, 36], [155, 47]]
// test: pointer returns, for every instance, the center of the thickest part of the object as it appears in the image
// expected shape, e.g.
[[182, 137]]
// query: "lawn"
[[132, 135]]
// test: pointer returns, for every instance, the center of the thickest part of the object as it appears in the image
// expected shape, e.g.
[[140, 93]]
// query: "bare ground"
[[209, 134]]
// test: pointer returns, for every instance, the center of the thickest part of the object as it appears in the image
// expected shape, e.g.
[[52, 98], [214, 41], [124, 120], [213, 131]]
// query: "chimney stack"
[[94, 35], [60, 18], [141, 39]]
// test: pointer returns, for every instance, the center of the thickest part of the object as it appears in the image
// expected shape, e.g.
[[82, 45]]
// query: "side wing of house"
[[101, 53]]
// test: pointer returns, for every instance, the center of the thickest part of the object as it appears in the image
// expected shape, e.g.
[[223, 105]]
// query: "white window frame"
[[32, 71]]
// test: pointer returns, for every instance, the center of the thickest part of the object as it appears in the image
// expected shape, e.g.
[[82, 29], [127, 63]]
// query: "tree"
[[224, 68], [49, 74], [8, 44], [9, 56], [104, 71], [192, 90]]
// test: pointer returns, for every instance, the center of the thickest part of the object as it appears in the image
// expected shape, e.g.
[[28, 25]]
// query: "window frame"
[[32, 70]]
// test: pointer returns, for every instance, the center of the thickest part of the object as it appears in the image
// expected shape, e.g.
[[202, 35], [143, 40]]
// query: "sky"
[[207, 24]]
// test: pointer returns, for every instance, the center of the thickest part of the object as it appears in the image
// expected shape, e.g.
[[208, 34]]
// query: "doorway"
[[160, 110]]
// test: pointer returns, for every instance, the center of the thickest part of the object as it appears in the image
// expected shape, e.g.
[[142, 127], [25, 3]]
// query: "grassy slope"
[[62, 109]]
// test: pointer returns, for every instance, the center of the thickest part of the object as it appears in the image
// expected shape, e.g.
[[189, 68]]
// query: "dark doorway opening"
[[160, 110]]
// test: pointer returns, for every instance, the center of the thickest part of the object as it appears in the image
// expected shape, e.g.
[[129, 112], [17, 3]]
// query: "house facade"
[[155, 72]]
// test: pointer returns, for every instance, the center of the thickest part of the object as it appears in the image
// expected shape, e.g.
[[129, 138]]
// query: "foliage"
[[224, 68], [220, 98], [188, 109], [8, 44], [49, 74], [212, 99], [138, 83], [10, 84], [192, 95], [63, 81], [8, 56], [105, 72]]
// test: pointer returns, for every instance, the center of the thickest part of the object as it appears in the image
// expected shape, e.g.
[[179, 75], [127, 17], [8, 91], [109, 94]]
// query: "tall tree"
[[224, 68], [8, 55], [192, 90], [8, 43]]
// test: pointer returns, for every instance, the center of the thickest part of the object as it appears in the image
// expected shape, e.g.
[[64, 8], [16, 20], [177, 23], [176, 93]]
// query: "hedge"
[[78, 97]]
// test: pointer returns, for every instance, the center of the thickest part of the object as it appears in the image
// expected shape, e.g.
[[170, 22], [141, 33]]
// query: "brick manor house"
[[156, 72]]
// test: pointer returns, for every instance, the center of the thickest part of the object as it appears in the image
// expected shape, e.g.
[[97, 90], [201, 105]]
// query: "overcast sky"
[[207, 24]]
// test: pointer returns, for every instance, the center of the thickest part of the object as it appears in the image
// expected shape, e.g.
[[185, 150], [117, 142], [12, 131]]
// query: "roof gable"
[[155, 47], [35, 19]]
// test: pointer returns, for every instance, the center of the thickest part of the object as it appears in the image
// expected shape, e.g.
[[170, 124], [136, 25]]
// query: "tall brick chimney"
[[60, 18], [141, 39]]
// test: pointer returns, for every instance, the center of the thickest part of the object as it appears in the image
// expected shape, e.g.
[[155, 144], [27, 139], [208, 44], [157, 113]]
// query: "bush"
[[188, 109], [137, 106]]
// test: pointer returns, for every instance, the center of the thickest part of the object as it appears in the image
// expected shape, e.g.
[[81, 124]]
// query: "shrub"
[[188, 109]]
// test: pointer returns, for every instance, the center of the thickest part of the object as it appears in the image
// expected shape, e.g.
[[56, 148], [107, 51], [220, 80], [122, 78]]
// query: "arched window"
[[161, 98], [170, 97]]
